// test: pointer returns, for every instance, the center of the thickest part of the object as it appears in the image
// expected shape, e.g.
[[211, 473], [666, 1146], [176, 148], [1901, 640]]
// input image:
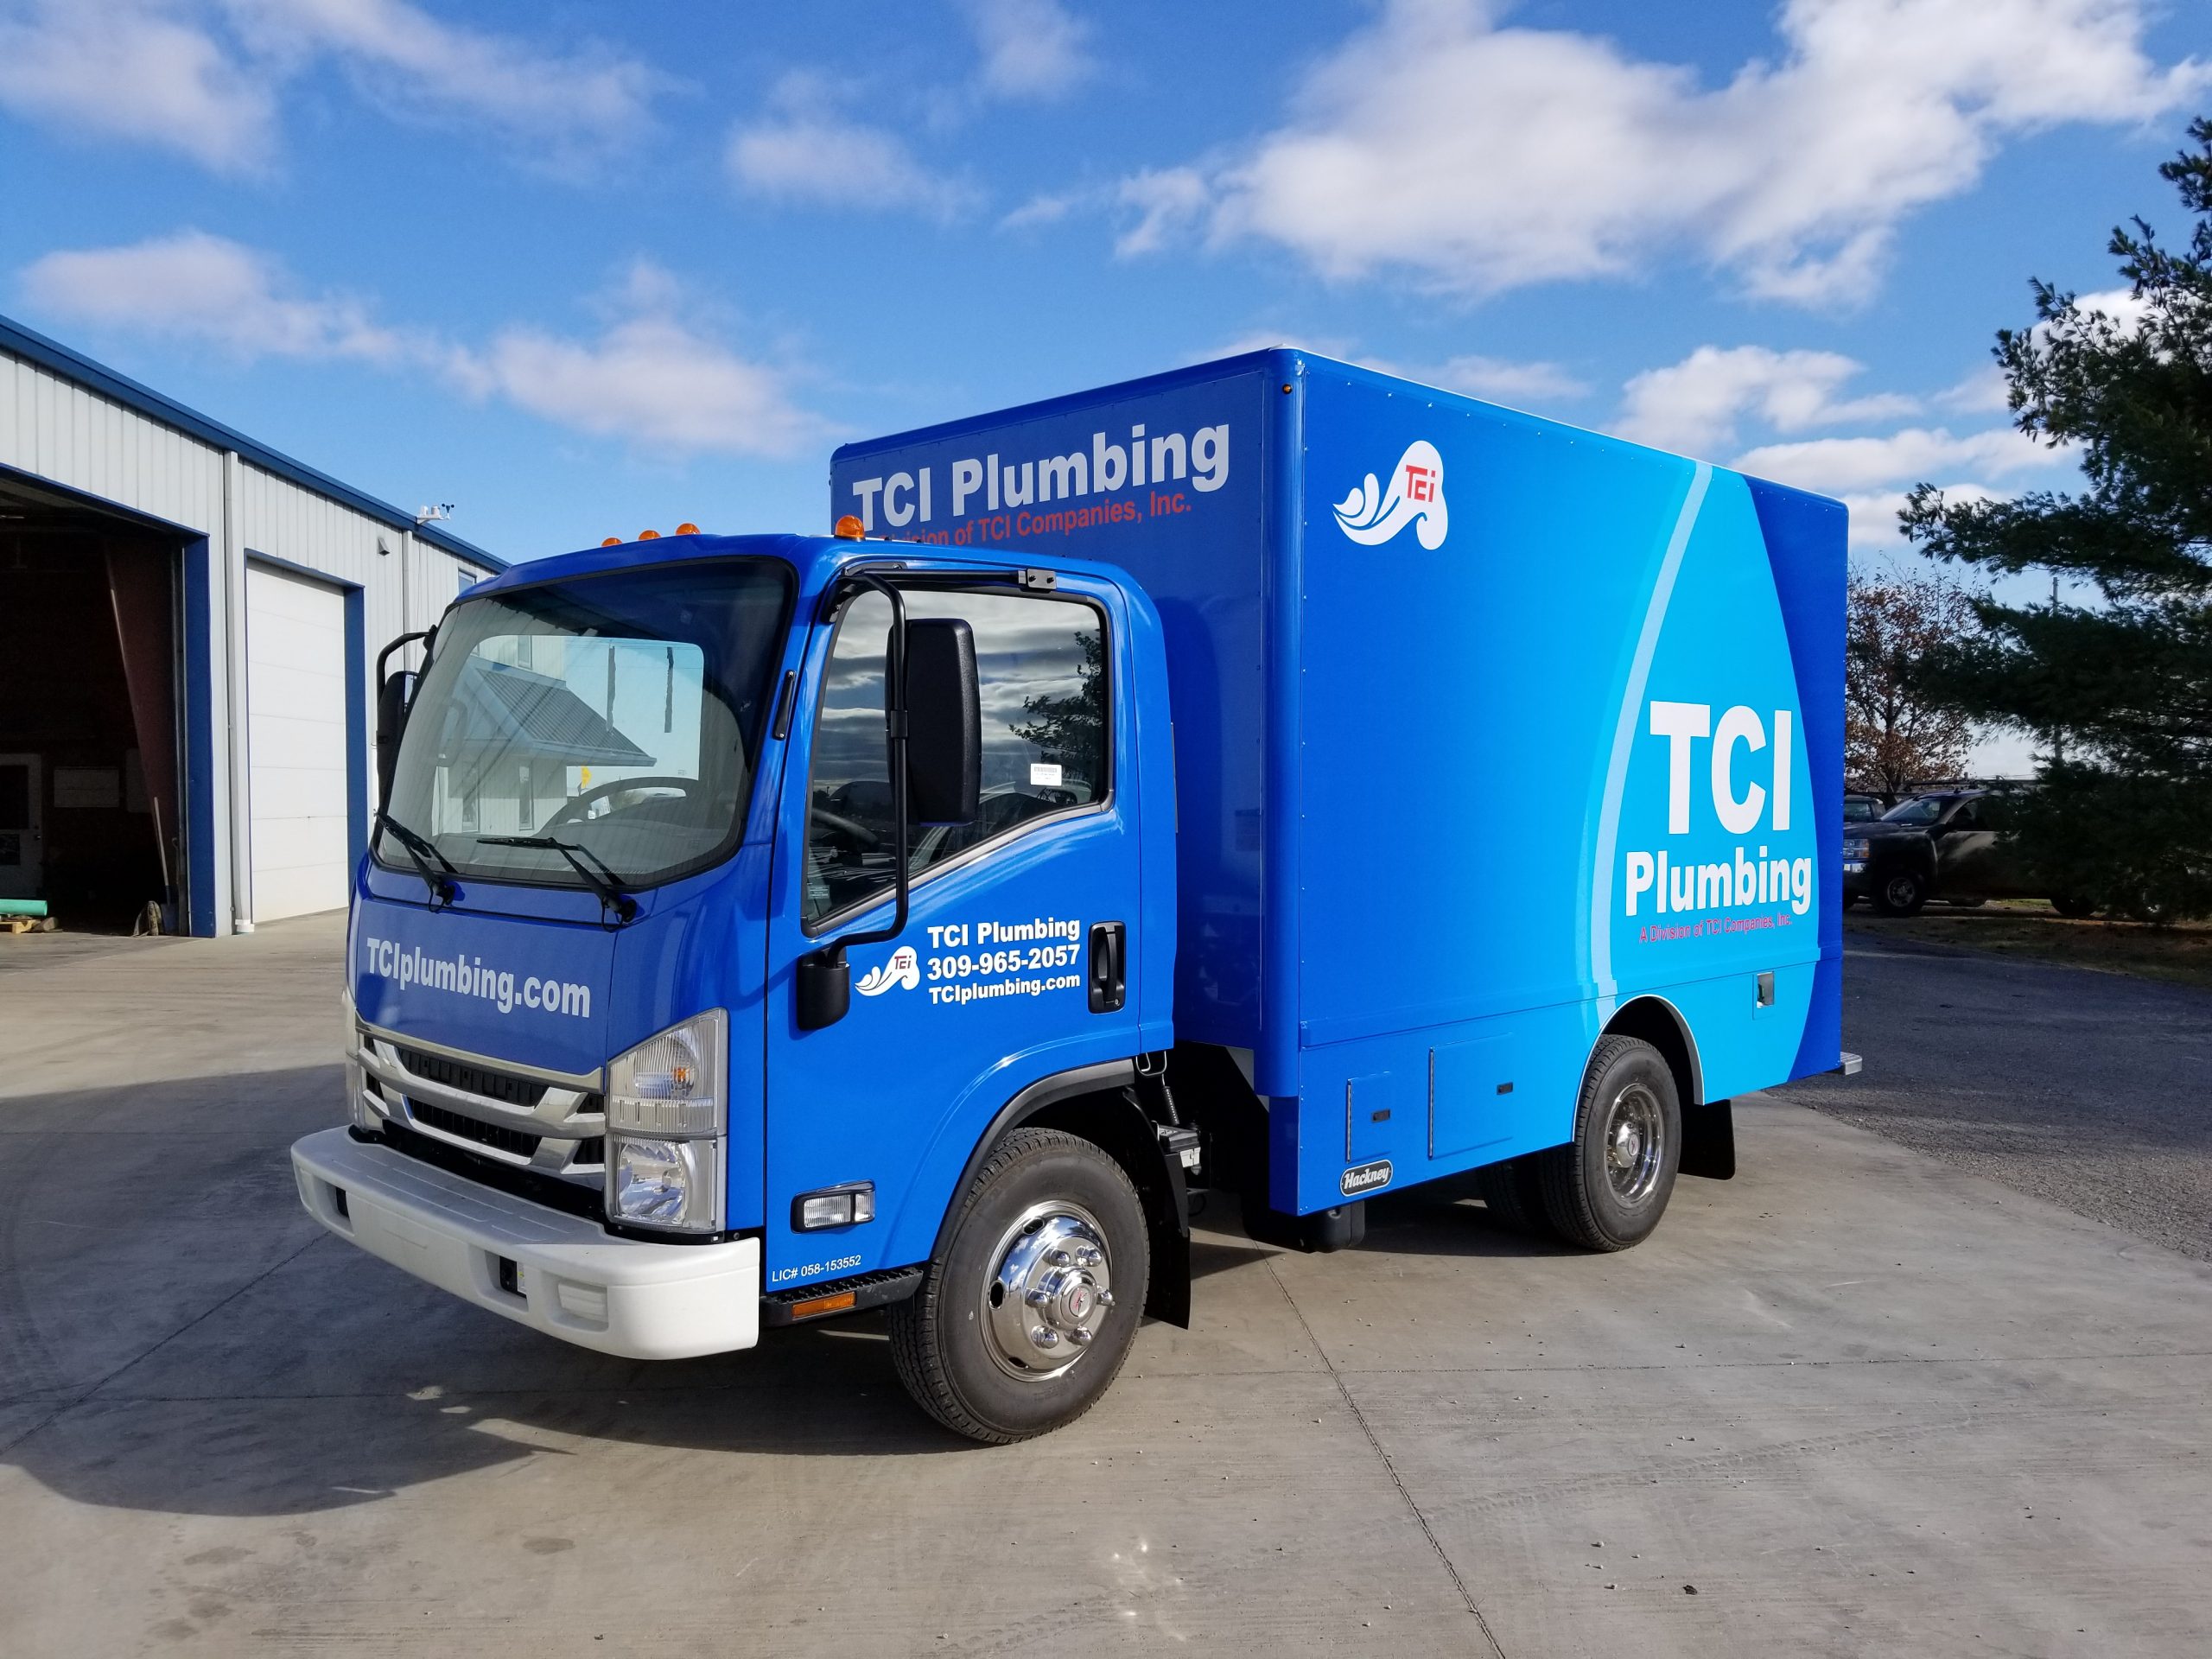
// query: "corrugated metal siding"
[[54, 429]]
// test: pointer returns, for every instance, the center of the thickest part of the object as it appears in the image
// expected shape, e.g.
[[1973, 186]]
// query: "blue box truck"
[[1271, 780]]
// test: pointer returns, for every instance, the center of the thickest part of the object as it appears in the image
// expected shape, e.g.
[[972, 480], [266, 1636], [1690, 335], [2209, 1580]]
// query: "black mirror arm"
[[385, 656]]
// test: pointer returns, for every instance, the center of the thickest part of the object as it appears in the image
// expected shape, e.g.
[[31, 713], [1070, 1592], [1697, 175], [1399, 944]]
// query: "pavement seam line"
[[1467, 1596], [68, 1406]]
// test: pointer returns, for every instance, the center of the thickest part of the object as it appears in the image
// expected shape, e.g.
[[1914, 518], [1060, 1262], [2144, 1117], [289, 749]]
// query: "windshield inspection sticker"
[[904, 970], [1372, 517]]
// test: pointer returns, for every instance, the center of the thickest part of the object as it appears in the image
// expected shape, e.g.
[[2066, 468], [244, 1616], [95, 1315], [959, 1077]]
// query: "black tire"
[[1591, 1198], [948, 1343], [1901, 892], [1513, 1192], [2074, 907]]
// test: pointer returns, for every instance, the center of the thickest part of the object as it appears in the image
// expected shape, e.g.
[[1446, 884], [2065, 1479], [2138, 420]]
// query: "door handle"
[[1109, 972]]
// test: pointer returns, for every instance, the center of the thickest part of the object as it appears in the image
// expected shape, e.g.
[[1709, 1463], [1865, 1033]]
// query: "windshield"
[[1923, 809], [619, 713]]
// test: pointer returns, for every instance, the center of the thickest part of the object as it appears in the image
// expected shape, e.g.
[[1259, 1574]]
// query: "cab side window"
[[1041, 667]]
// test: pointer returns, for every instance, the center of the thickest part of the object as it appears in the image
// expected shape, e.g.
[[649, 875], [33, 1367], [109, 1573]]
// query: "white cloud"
[[803, 150], [137, 70], [205, 76], [1504, 381], [573, 106], [1049, 207], [1031, 48], [1695, 405], [1848, 466], [653, 382], [653, 376], [200, 287], [1982, 392], [1164, 201], [1477, 157]]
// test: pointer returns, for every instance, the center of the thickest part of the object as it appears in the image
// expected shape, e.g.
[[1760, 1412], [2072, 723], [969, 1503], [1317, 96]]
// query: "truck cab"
[[642, 870]]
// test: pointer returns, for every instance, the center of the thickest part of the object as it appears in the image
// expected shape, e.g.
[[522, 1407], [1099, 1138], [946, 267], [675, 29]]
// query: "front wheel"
[[1607, 1189], [1025, 1318]]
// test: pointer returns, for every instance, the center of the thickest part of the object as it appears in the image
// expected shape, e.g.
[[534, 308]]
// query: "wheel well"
[[1112, 1120], [1650, 1020], [1103, 1117]]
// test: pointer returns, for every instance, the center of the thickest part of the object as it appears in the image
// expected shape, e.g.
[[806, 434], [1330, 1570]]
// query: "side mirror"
[[392, 698], [944, 723]]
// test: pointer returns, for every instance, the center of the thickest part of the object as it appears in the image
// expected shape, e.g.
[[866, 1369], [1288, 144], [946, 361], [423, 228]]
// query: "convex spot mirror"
[[944, 723]]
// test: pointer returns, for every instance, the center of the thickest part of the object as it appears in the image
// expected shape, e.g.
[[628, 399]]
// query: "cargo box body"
[[1486, 727]]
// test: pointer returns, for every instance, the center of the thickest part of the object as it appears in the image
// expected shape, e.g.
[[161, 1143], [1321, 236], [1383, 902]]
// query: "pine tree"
[[2122, 687]]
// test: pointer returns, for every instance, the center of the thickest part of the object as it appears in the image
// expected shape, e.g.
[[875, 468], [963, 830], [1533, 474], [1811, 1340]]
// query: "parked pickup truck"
[[1951, 845]]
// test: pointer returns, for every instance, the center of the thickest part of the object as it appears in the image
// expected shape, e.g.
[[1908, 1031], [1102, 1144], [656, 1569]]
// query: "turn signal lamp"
[[849, 529], [649, 535], [612, 541], [814, 1307], [687, 530]]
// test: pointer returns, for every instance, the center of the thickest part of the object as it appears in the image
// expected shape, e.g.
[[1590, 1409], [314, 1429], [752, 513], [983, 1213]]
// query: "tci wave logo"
[[1416, 497], [904, 969]]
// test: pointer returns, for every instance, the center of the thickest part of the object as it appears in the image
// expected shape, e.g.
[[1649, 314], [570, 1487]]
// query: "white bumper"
[[621, 1296]]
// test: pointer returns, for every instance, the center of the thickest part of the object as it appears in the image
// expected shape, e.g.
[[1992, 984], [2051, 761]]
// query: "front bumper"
[[576, 1282]]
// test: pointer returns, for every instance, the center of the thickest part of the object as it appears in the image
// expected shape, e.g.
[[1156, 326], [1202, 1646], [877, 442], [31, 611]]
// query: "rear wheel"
[[1513, 1192], [1901, 892], [1026, 1318], [1607, 1188]]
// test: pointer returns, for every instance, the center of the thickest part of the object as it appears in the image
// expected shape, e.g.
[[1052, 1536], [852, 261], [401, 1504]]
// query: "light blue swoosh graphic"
[[1608, 815]]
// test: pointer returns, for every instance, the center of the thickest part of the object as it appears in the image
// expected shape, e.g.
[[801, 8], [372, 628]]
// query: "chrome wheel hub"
[[1049, 1292], [1632, 1142]]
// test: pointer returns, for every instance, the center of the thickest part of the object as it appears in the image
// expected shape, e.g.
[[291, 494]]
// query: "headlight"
[[665, 1183], [665, 1116]]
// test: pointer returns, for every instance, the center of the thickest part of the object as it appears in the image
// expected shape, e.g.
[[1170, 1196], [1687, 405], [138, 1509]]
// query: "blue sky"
[[584, 268]]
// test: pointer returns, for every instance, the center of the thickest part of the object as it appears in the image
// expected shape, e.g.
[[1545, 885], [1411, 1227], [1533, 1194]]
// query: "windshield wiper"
[[613, 892], [420, 849]]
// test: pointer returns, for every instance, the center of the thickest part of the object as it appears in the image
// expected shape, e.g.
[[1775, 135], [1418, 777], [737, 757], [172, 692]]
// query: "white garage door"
[[296, 703]]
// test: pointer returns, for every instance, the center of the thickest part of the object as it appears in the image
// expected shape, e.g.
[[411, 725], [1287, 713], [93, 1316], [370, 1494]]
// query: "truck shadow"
[[213, 1352]]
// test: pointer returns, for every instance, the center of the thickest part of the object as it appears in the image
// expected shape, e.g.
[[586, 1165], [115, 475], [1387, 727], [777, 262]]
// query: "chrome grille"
[[553, 1123], [502, 1086]]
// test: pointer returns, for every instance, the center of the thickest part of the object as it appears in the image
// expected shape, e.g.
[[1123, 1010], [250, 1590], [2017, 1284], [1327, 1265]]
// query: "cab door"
[[1013, 964]]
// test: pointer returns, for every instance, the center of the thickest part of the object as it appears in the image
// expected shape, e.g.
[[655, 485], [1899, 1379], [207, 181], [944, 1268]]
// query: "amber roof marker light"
[[849, 529], [687, 528], [649, 535], [612, 541]]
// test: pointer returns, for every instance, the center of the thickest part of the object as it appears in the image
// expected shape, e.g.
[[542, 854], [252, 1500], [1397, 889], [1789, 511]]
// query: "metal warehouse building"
[[189, 622]]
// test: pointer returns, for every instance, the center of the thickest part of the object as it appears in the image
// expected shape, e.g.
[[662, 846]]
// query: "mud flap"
[[1168, 1217], [1709, 1140]]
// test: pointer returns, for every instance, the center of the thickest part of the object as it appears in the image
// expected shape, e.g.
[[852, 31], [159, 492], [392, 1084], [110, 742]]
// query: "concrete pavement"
[[2092, 1089], [1861, 1400]]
